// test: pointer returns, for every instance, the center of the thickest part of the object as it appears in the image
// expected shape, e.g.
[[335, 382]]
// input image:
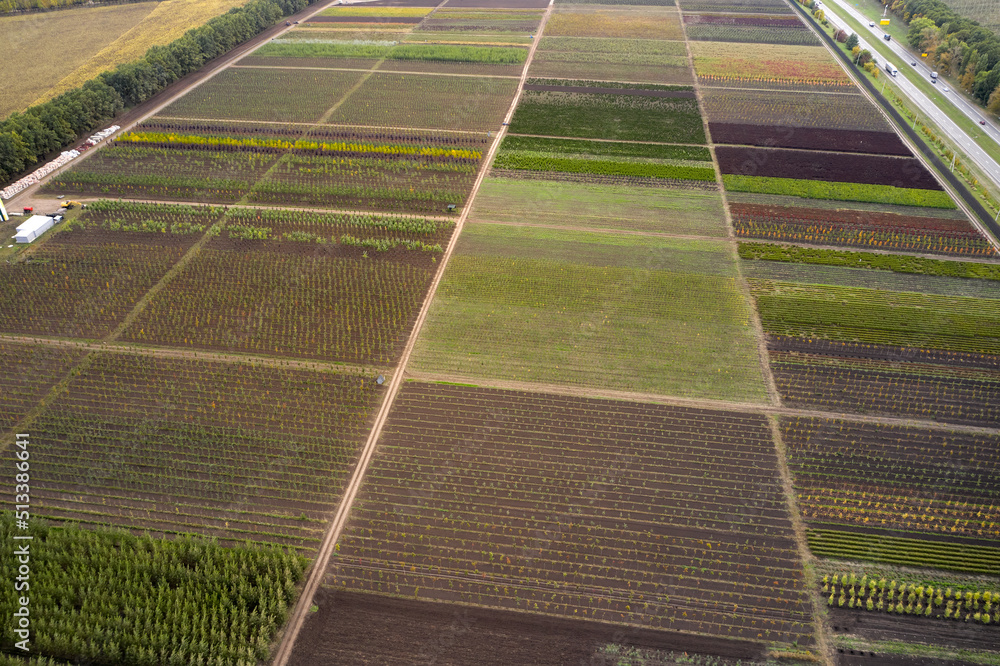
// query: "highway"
[[928, 106]]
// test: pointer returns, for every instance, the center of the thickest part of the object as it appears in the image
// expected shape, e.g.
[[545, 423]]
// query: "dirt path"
[[318, 569]]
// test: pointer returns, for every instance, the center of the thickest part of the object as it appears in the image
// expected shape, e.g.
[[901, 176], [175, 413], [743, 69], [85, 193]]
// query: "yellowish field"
[[168, 21], [377, 11], [787, 64], [40, 49], [616, 23]]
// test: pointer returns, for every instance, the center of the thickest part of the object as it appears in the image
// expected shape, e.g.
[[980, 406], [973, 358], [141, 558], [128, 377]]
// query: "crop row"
[[901, 551], [769, 7], [27, 373], [885, 262], [541, 162], [729, 62], [809, 138], [633, 24], [293, 48], [860, 229], [604, 148], [751, 34], [898, 172], [817, 189], [875, 388], [847, 111], [879, 317], [145, 601], [911, 599]]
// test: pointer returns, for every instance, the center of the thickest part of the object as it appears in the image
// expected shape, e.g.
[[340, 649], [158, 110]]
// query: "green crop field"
[[600, 206], [814, 189], [607, 116], [265, 94], [632, 313]]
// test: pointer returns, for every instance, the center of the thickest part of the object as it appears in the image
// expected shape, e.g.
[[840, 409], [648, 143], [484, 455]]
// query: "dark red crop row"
[[857, 218], [808, 138], [766, 22], [827, 167]]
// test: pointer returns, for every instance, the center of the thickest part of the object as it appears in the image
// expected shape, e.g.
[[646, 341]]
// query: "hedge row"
[[818, 189], [27, 138]]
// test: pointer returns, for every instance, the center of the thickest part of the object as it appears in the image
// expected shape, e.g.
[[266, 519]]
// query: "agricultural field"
[[631, 23], [629, 60], [787, 30], [599, 205], [38, 70], [566, 531], [891, 482], [766, 7], [104, 269], [535, 305], [484, 20], [91, 611], [27, 373], [730, 64], [231, 451], [285, 283], [912, 232], [620, 112]]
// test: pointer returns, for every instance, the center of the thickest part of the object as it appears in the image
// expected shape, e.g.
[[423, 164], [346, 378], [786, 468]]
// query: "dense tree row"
[[27, 138], [956, 45]]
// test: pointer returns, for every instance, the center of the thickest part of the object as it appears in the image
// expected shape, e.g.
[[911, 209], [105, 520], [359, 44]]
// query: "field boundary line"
[[157, 351], [318, 568], [579, 391], [757, 327]]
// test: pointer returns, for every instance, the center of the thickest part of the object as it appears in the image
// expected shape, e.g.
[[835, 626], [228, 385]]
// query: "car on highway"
[[945, 89], [871, 24], [914, 63], [982, 122]]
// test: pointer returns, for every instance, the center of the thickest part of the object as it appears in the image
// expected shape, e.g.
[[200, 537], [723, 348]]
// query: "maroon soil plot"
[[809, 138], [659, 517], [763, 21], [829, 167], [371, 629]]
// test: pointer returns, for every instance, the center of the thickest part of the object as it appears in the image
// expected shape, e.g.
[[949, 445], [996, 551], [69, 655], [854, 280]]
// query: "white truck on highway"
[[891, 69]]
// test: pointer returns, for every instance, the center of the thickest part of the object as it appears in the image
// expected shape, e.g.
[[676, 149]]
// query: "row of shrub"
[[886, 262], [818, 189], [27, 138]]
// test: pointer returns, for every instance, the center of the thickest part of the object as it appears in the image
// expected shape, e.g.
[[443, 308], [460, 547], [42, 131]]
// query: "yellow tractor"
[[69, 205]]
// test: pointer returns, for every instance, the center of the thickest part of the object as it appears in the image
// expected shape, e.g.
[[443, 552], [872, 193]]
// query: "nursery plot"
[[626, 117], [899, 172], [202, 173], [225, 450], [441, 37], [27, 373], [302, 285], [265, 94], [635, 313], [869, 478], [838, 191], [843, 110], [741, 7], [621, 66], [599, 206], [85, 281], [484, 21], [752, 34], [773, 136], [572, 507], [630, 24], [874, 316], [437, 102], [722, 62], [860, 228], [965, 396]]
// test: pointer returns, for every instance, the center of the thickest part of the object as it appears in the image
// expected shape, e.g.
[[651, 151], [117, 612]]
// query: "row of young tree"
[[955, 45], [29, 137]]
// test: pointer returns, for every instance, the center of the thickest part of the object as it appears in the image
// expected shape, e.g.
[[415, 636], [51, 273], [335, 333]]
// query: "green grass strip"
[[283, 49], [883, 262], [491, 55], [606, 148], [512, 160], [818, 189], [904, 552]]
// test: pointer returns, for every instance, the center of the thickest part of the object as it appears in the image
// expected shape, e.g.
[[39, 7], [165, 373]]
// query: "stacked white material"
[[48, 168]]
